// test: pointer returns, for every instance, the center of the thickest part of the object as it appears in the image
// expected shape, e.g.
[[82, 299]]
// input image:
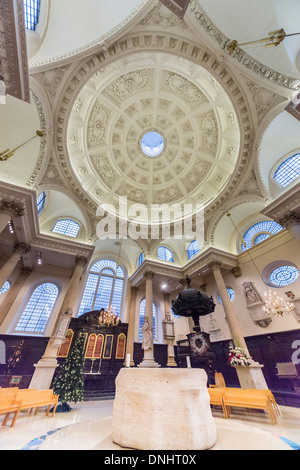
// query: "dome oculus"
[[152, 144]]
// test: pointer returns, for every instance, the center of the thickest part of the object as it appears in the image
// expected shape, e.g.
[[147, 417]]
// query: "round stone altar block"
[[163, 409]]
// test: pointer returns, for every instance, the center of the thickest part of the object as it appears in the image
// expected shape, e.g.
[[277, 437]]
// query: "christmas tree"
[[69, 384]]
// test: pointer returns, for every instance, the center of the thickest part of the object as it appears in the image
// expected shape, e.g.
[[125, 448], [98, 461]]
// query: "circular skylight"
[[152, 144]]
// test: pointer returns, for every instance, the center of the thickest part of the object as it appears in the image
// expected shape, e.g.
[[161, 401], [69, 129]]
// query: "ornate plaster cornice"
[[13, 49], [289, 202], [100, 43], [27, 227], [240, 56], [32, 182]]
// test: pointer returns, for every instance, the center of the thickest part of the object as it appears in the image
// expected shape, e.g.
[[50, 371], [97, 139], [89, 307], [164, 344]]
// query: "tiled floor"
[[88, 427]]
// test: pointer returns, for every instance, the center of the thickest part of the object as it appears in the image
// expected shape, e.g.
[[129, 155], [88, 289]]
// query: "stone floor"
[[88, 427]]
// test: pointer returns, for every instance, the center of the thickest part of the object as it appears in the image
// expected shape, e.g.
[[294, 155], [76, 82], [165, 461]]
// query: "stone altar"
[[163, 409]]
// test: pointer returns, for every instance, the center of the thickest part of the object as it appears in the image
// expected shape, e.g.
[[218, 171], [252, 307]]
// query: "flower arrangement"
[[238, 357]]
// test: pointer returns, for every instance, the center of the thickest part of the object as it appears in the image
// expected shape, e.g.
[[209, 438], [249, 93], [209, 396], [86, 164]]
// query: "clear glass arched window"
[[288, 171], [41, 202], [5, 287], [38, 309], [142, 319], [231, 294], [165, 254], [283, 276], [259, 232], [104, 288], [141, 259], [193, 249], [67, 227], [31, 13]]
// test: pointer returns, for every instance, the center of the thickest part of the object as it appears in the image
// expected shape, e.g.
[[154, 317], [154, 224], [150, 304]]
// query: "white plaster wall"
[[280, 247], [73, 24]]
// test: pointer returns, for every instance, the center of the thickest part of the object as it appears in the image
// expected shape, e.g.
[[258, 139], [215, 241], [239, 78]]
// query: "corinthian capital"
[[215, 264], [81, 261], [12, 208], [289, 218], [22, 248], [149, 275]]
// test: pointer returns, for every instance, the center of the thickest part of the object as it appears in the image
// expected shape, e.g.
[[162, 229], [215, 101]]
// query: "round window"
[[152, 144], [284, 276]]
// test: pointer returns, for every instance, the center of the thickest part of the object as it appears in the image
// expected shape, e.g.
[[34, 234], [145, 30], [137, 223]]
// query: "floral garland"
[[199, 343], [238, 357]]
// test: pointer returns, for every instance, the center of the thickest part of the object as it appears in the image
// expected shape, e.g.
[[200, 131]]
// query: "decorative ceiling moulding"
[[13, 49], [27, 226], [154, 42], [239, 55], [178, 7], [201, 264], [101, 44], [40, 164]]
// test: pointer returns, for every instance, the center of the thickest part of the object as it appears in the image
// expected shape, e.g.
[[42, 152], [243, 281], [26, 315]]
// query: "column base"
[[171, 362], [251, 377], [149, 363], [43, 374]]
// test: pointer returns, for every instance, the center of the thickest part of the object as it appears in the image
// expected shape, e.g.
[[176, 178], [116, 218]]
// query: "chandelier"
[[108, 317], [276, 306]]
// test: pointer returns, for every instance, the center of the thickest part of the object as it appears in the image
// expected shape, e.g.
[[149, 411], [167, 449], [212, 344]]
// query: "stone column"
[[8, 210], [13, 293], [291, 221], [147, 345], [131, 325], [11, 263], [169, 333], [252, 376], [45, 369], [233, 322]]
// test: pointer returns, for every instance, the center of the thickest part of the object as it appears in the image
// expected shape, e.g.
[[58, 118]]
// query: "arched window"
[[259, 232], [38, 309], [283, 276], [32, 12], [5, 288], [142, 319], [41, 202], [66, 227], [141, 259], [104, 287], [288, 171], [231, 294], [165, 254], [193, 249]]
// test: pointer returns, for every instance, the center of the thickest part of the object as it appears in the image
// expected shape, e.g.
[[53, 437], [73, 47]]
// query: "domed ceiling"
[[179, 101]]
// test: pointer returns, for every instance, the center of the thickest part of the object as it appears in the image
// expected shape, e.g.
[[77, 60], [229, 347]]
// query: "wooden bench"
[[269, 394], [216, 398], [7, 406], [253, 399], [8, 393], [31, 399]]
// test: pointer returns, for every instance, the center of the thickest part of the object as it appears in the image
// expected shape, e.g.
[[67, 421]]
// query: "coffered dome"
[[124, 104]]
